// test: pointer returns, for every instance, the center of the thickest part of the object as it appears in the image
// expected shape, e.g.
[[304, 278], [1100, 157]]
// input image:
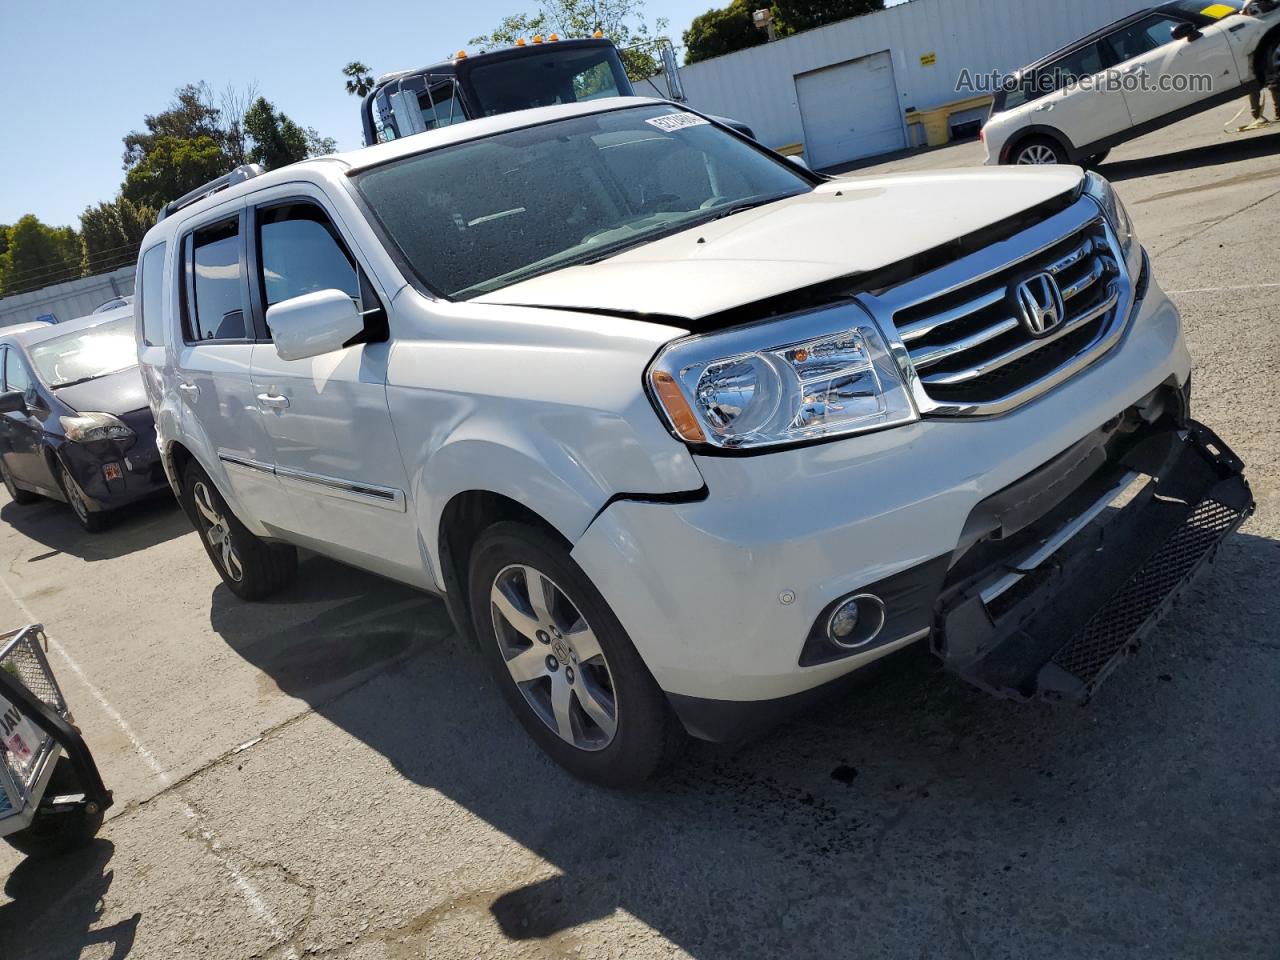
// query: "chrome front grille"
[[959, 332]]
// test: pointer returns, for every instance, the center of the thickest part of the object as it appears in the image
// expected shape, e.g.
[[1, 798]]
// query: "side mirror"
[[13, 402], [799, 161], [1185, 31], [313, 324]]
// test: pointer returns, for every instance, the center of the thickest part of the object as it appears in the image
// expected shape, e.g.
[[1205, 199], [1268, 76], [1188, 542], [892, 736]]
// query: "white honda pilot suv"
[[682, 432]]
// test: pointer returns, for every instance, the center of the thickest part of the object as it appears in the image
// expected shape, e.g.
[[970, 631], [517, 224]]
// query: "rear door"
[[1161, 75], [215, 359], [336, 455], [1077, 102]]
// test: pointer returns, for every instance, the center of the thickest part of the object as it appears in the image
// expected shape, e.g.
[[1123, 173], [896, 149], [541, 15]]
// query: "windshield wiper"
[[76, 383]]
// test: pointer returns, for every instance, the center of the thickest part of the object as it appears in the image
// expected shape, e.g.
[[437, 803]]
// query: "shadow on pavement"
[[1240, 148], [916, 817], [135, 527], [56, 902]]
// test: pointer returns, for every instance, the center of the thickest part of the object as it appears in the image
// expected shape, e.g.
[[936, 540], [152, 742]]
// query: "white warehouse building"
[[843, 90]]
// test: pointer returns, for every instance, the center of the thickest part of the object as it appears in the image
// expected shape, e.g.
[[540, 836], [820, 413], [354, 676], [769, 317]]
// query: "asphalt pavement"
[[333, 774]]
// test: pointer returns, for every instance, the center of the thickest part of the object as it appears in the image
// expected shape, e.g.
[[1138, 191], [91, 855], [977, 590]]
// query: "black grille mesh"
[[1087, 654]]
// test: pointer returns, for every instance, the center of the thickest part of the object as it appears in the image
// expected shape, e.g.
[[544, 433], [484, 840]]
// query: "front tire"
[[1037, 151], [563, 661], [93, 522], [250, 567]]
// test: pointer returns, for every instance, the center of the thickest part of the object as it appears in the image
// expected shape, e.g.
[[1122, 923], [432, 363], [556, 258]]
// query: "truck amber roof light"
[[554, 37], [519, 41], [461, 55], [599, 34], [537, 38]]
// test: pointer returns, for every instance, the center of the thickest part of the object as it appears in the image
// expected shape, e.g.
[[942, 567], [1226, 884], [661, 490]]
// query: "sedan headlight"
[[87, 427], [1100, 189], [805, 377]]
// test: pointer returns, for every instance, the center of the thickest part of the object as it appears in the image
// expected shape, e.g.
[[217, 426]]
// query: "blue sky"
[[83, 74]]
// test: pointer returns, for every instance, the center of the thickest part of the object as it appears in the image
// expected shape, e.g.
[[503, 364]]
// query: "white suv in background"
[[682, 432], [1141, 73]]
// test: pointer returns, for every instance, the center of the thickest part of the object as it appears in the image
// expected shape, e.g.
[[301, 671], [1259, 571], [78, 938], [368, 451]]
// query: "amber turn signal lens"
[[677, 407]]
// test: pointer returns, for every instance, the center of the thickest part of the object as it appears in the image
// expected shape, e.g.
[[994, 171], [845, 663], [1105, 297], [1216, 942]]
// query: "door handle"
[[190, 389], [272, 401]]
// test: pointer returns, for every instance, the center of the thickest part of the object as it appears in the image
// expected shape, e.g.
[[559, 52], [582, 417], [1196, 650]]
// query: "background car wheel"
[[249, 566], [1038, 150], [563, 661], [16, 493], [93, 522]]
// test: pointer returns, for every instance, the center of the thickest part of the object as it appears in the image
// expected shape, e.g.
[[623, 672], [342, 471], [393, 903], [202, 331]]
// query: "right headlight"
[[1104, 194], [804, 377]]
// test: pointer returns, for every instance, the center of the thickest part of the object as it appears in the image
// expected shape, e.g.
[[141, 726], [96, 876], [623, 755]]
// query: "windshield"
[[545, 78], [86, 354], [478, 216]]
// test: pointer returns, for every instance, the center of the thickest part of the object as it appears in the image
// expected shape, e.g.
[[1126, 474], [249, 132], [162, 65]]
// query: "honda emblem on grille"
[[1040, 307]]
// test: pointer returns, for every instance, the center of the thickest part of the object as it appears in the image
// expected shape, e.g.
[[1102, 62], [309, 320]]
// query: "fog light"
[[856, 622]]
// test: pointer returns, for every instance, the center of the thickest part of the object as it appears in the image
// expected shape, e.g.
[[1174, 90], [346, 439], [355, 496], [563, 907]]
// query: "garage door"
[[850, 110]]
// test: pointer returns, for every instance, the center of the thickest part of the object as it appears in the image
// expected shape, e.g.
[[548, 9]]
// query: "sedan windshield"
[[86, 354], [479, 216]]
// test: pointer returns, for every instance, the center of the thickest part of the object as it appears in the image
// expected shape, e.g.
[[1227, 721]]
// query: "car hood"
[[844, 227], [116, 393]]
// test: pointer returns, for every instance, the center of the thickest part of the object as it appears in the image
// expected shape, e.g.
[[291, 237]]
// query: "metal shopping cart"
[[51, 795]]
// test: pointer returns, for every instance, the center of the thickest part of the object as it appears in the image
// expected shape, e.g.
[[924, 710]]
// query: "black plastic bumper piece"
[[1060, 631]]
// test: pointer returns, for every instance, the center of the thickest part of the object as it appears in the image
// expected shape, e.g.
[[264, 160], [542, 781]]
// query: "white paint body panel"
[[546, 406]]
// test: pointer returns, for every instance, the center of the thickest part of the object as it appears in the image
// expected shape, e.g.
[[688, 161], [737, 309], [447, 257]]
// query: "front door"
[[23, 431], [215, 358], [1162, 75], [336, 455]]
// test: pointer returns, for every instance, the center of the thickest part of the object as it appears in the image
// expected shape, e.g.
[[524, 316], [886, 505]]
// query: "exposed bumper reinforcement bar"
[[1064, 626]]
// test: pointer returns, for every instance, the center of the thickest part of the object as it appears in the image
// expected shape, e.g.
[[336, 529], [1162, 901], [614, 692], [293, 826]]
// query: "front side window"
[[86, 354], [1142, 37], [475, 217], [1082, 63], [16, 375], [152, 296], [215, 310], [300, 253]]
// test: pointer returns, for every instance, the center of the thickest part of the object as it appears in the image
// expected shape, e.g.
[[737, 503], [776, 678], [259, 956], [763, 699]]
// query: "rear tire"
[[92, 521], [1036, 151], [16, 494], [250, 567], [585, 695]]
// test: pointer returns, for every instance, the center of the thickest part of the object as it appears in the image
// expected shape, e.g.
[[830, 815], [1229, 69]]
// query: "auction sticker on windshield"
[[677, 121]]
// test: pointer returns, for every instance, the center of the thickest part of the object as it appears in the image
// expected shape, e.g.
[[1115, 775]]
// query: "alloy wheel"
[[1037, 153], [217, 531], [554, 657], [74, 497]]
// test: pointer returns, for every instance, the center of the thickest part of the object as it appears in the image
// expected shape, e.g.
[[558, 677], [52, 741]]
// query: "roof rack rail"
[[241, 173]]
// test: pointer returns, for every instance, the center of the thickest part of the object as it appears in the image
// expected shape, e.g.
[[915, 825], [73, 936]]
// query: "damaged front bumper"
[[1048, 609]]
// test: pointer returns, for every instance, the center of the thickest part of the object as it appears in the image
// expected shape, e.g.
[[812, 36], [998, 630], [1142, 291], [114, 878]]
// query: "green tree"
[[721, 31], [38, 255], [622, 21], [277, 140], [359, 79], [318, 146], [799, 15], [111, 233], [172, 167], [190, 116]]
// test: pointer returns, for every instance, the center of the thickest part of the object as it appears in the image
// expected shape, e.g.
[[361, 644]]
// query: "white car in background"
[[682, 432], [1130, 78]]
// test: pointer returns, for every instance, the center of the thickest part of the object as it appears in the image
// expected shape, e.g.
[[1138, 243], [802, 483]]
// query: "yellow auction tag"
[[1218, 10]]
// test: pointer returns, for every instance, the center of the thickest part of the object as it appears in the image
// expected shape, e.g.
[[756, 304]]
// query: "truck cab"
[[537, 74]]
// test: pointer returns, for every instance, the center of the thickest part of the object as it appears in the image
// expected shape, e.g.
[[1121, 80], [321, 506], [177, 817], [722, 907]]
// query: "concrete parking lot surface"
[[332, 773]]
